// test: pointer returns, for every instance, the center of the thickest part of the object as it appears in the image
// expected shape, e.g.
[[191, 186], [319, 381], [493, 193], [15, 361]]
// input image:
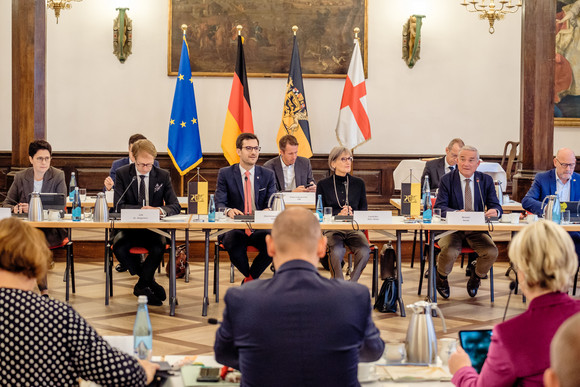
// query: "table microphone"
[[512, 287], [124, 192], [213, 321]]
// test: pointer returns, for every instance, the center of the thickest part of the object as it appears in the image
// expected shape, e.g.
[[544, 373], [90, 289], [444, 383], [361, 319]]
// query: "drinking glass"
[[219, 215], [566, 217], [88, 213], [327, 214], [446, 347], [395, 353], [83, 194], [436, 215]]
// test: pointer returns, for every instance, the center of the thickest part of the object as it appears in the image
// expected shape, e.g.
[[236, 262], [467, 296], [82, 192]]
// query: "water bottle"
[[319, 210], [557, 211], [142, 331], [426, 188], [211, 209], [427, 210], [77, 210], [71, 187]]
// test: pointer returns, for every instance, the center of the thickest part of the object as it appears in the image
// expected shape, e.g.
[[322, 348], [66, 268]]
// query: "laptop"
[[476, 344], [573, 208], [53, 201]]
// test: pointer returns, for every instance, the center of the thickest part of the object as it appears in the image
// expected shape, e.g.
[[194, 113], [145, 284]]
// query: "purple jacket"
[[520, 347]]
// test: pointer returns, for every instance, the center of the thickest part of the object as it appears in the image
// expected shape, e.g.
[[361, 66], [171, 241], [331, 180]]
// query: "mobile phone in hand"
[[209, 374]]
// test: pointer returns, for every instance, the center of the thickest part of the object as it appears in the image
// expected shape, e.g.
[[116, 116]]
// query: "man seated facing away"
[[561, 181], [241, 189], [564, 355], [293, 172], [436, 168], [465, 189], [148, 187], [298, 328]]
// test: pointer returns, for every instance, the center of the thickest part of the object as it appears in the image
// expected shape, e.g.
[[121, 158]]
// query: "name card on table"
[[265, 216], [140, 215], [299, 198], [373, 217], [465, 217], [5, 213]]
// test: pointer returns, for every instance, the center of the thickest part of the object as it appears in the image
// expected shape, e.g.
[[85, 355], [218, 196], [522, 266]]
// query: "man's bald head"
[[296, 234], [565, 162], [564, 350]]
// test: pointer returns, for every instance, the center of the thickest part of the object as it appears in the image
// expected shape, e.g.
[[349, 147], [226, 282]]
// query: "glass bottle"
[[71, 186], [142, 331], [77, 210], [319, 210], [211, 209]]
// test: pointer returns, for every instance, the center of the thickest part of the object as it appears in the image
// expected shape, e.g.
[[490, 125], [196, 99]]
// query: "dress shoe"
[[158, 290], [442, 285], [147, 291], [473, 284], [247, 279], [120, 268]]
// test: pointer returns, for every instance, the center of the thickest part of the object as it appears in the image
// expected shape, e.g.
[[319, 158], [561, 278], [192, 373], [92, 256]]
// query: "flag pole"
[[356, 31], [184, 29]]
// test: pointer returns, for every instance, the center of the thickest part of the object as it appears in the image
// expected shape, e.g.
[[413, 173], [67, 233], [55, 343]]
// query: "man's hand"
[[109, 183], [491, 213], [21, 208], [308, 188], [458, 359], [233, 212], [153, 208], [347, 210], [150, 369]]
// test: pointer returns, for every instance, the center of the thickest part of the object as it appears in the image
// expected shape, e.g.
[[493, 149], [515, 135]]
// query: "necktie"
[[247, 196], [142, 190], [451, 168], [468, 199]]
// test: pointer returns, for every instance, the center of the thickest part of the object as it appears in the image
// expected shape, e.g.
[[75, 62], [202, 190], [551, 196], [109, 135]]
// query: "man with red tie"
[[242, 189]]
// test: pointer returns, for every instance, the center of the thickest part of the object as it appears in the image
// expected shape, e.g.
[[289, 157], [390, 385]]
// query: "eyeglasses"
[[345, 159], [252, 148], [142, 165], [566, 165], [43, 159]]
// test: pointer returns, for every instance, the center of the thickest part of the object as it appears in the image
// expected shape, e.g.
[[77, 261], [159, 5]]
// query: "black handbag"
[[386, 301]]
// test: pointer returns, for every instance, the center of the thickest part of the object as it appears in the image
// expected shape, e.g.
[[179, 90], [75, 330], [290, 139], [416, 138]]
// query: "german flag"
[[239, 115]]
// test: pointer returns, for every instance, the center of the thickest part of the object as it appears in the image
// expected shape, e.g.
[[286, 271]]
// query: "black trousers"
[[152, 241], [236, 242]]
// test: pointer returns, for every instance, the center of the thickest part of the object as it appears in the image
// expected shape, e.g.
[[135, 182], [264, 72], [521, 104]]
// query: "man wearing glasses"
[[243, 188], [561, 181], [436, 168], [149, 187]]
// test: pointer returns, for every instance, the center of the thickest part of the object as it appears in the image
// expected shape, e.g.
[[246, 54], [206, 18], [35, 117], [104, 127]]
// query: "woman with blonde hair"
[[544, 258], [44, 342]]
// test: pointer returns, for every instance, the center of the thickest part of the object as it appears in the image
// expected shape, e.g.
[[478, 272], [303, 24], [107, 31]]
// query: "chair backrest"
[[401, 173], [512, 157]]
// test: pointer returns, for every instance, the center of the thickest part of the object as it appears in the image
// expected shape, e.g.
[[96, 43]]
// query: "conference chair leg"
[[490, 282], [413, 251], [186, 256]]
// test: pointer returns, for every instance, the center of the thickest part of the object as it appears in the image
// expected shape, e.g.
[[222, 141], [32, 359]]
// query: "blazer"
[[22, 187], [450, 196], [161, 192], [120, 163], [520, 347], [435, 169], [545, 184], [297, 329], [229, 192], [302, 171]]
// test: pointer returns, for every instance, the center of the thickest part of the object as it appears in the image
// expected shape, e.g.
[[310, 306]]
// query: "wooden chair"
[[512, 158], [375, 255]]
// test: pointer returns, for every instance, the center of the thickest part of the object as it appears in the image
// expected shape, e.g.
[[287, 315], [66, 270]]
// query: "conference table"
[[511, 206]]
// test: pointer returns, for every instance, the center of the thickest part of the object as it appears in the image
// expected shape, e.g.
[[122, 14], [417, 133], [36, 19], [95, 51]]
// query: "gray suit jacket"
[[23, 186], [302, 170], [435, 169]]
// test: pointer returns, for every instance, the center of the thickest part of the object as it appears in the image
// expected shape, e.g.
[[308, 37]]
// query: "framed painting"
[[567, 64], [325, 35]]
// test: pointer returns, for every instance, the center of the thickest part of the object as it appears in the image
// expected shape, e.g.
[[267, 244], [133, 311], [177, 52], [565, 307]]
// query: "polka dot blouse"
[[44, 342]]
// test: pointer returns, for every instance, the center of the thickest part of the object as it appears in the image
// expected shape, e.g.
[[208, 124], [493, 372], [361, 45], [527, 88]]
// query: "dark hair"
[[136, 137], [245, 136], [287, 140], [37, 145]]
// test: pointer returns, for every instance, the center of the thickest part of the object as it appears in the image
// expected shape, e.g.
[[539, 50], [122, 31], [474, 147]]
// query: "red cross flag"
[[354, 128]]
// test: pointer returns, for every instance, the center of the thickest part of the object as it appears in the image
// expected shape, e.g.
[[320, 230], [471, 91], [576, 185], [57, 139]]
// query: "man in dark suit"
[[298, 328], [149, 187], [436, 168], [243, 188], [561, 181], [293, 172], [465, 189]]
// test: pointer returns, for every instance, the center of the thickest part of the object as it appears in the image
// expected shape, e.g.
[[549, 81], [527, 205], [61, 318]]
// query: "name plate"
[[300, 198], [464, 217], [265, 216], [140, 215], [373, 217], [5, 213]]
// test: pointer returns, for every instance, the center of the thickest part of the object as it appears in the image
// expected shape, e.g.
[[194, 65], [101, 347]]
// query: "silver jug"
[[499, 192], [421, 342], [552, 210], [35, 213], [276, 202], [101, 209]]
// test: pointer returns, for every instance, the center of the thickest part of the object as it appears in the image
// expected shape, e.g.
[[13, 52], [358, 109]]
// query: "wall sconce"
[[122, 35], [58, 5], [412, 40], [491, 11]]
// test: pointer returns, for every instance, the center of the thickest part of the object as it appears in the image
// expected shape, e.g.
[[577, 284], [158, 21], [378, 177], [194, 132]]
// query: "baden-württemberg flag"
[[295, 114], [184, 144]]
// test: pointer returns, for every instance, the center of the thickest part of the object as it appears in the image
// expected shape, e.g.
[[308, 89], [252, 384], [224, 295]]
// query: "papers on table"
[[413, 373]]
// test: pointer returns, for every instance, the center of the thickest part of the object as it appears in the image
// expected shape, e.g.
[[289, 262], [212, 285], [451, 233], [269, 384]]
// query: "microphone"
[[512, 287], [124, 192], [213, 321], [346, 194], [480, 194]]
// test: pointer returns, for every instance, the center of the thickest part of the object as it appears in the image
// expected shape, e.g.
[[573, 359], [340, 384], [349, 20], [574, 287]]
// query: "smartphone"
[[209, 374], [476, 344], [309, 185]]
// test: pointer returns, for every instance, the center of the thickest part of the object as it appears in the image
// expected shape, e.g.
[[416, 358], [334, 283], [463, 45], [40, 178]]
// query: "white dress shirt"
[[289, 176], [563, 190]]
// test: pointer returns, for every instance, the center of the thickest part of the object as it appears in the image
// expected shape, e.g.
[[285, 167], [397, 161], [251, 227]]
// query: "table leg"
[[205, 274], [431, 292], [187, 256], [172, 279], [399, 274], [107, 266]]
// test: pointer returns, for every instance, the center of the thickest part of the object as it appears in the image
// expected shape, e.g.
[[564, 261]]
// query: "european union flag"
[[184, 144]]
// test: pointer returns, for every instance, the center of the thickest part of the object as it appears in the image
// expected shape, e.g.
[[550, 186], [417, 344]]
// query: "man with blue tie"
[[465, 189], [436, 168], [561, 181], [243, 188]]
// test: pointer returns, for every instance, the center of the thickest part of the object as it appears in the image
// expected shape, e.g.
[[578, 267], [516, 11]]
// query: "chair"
[[375, 254], [216, 266], [512, 158], [69, 273]]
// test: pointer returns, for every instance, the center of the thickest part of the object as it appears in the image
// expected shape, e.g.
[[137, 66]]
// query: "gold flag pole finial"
[[294, 29], [184, 28], [356, 31], [239, 28]]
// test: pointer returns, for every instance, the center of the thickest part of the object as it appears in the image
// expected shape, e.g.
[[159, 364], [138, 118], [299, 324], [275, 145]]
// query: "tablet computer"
[[476, 344]]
